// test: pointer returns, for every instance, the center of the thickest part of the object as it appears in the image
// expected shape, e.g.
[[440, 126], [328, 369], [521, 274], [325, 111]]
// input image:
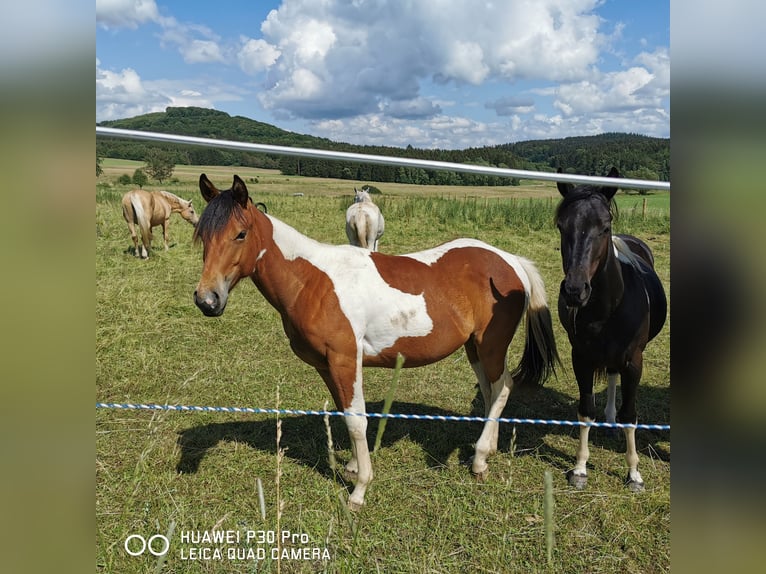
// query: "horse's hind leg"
[[610, 412], [487, 443], [128, 215], [134, 237], [146, 241], [495, 393]]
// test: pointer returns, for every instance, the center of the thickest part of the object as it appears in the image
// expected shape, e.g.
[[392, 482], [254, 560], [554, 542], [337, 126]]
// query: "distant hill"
[[634, 155]]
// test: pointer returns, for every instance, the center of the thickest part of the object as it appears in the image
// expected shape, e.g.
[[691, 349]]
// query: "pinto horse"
[[147, 209], [611, 303], [425, 306], [364, 221]]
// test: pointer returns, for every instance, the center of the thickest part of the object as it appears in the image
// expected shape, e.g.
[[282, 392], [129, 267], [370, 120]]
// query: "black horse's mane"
[[217, 214]]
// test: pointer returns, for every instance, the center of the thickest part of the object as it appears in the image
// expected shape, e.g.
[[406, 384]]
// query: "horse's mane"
[[626, 255], [169, 196], [585, 192], [217, 214]]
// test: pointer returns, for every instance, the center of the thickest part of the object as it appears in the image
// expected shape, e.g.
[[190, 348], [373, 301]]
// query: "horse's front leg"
[[165, 233], [586, 412], [630, 377], [344, 379]]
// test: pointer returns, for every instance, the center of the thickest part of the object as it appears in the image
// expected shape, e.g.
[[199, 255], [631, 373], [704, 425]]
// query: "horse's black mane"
[[584, 192], [217, 214]]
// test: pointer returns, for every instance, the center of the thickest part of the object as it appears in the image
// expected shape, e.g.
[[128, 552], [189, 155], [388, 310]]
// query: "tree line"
[[634, 155]]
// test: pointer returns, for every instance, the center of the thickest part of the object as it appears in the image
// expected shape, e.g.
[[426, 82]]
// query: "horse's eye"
[[241, 235]]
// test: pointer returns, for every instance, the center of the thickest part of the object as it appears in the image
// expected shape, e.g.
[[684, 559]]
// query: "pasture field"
[[424, 511]]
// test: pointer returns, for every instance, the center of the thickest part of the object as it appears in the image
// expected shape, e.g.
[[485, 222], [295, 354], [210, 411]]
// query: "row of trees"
[[634, 155]]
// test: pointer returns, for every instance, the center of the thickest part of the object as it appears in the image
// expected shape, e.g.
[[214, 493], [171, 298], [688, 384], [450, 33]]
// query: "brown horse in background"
[[147, 209]]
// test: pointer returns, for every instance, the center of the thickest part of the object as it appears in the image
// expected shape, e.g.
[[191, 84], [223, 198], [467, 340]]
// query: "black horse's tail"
[[540, 355]]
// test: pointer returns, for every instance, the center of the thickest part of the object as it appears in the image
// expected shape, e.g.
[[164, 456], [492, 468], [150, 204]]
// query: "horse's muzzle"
[[210, 303], [575, 293]]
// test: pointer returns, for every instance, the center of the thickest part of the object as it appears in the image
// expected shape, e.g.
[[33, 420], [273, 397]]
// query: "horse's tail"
[[540, 355], [141, 218], [361, 226]]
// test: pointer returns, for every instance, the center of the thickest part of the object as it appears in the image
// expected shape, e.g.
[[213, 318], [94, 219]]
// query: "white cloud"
[[257, 55], [201, 51], [365, 57], [125, 13], [124, 94], [381, 73]]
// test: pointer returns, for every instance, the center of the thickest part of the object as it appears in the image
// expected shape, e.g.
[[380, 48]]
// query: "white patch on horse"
[[431, 256], [379, 313]]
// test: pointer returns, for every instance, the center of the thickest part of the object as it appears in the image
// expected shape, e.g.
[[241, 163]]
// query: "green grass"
[[424, 511]]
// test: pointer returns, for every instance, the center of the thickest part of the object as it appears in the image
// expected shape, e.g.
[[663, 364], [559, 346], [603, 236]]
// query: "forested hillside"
[[634, 155]]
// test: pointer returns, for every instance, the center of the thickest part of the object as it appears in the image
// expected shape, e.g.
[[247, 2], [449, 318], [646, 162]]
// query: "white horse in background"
[[364, 221]]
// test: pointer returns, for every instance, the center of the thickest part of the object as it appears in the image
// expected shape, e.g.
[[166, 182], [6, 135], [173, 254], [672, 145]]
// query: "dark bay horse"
[[343, 308], [611, 303]]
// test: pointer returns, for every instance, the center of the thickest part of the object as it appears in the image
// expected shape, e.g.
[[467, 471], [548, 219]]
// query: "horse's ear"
[[209, 191], [239, 190], [609, 192], [563, 188]]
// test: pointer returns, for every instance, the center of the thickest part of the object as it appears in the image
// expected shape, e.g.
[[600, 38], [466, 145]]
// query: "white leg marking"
[[487, 443], [610, 412], [583, 453], [631, 456], [357, 431]]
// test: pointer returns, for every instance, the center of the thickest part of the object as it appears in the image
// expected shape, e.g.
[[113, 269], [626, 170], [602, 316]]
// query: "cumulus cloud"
[[257, 55], [201, 51], [638, 87], [125, 13], [369, 71], [371, 57], [123, 94]]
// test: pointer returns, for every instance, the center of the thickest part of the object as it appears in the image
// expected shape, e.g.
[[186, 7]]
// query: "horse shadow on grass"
[[304, 438], [653, 406]]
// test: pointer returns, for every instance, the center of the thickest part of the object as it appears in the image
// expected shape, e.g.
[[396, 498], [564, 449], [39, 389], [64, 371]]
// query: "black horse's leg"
[[586, 412], [630, 377]]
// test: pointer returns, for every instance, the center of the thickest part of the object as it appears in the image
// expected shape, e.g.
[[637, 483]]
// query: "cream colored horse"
[[364, 222], [147, 209]]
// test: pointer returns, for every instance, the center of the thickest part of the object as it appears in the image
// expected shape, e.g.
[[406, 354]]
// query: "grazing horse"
[[611, 304], [425, 306], [147, 209], [364, 221]]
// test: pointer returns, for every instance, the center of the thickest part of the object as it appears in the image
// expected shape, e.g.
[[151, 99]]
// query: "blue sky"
[[428, 73]]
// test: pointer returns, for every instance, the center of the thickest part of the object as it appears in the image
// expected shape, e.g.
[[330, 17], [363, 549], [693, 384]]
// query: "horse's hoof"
[[634, 486], [355, 506], [579, 481], [481, 476]]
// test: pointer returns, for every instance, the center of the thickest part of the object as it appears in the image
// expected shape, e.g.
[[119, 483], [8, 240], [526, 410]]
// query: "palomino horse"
[[611, 304], [364, 221], [425, 306], [147, 209]]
